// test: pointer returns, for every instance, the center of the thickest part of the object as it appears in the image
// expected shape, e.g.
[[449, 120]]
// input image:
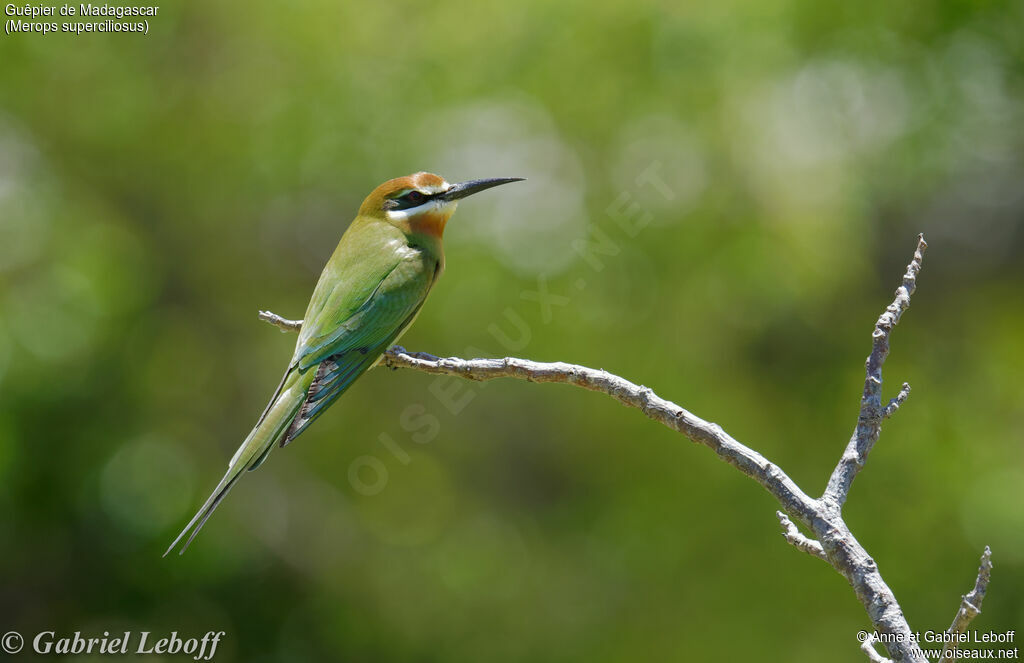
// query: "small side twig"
[[868, 647], [970, 604], [798, 540], [896, 402], [284, 324]]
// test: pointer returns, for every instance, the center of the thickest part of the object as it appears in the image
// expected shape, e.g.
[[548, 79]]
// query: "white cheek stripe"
[[429, 206]]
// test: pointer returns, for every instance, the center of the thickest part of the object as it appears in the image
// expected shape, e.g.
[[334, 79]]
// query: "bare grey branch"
[[869, 421], [840, 548], [711, 435]]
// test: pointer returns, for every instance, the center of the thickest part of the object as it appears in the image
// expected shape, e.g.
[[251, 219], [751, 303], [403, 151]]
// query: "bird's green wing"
[[344, 350]]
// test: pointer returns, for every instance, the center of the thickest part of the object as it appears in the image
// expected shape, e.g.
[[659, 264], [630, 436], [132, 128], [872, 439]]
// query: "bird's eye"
[[414, 197]]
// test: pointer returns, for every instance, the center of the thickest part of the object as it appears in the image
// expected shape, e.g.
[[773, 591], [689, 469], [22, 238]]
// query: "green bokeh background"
[[156, 191]]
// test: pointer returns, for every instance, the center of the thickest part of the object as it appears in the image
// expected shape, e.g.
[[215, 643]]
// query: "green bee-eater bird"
[[368, 294]]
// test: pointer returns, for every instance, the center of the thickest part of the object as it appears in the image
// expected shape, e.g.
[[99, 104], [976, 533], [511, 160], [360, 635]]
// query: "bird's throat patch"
[[429, 223]]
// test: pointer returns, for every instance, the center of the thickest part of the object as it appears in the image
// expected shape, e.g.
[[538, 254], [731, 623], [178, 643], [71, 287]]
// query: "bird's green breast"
[[372, 253]]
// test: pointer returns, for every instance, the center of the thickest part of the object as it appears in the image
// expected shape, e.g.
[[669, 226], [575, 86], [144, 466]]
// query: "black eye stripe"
[[409, 199]]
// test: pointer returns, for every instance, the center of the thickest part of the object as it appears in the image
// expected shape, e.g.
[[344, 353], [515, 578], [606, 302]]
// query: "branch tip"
[[970, 604], [284, 324]]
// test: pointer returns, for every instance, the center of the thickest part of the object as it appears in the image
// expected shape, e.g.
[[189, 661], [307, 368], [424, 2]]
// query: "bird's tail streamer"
[[274, 423]]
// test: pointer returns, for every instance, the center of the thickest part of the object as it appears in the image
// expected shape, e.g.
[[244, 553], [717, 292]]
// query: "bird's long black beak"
[[463, 189]]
